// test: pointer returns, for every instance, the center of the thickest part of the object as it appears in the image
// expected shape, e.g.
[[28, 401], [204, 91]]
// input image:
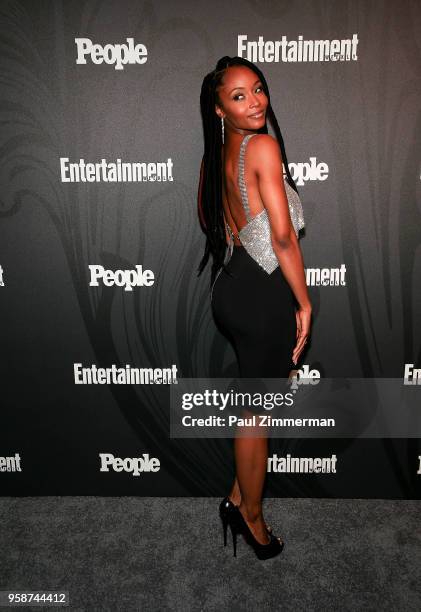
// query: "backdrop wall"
[[352, 132]]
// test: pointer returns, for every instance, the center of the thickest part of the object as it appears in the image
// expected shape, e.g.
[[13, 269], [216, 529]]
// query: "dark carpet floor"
[[155, 554]]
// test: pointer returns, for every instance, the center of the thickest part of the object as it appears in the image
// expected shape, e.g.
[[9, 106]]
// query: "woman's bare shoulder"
[[264, 142], [265, 150]]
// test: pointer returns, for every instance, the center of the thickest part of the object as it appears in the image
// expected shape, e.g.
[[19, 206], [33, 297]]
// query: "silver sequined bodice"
[[255, 236]]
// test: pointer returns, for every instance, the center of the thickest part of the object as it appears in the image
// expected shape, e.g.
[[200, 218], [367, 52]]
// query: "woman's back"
[[247, 221], [231, 195]]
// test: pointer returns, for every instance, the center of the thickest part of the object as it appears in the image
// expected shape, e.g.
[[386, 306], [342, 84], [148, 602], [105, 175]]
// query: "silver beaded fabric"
[[255, 235]]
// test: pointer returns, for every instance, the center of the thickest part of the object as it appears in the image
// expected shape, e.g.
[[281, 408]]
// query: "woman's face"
[[243, 102]]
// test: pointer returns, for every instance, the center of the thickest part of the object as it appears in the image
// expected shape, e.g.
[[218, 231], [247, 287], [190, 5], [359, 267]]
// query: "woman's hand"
[[303, 317]]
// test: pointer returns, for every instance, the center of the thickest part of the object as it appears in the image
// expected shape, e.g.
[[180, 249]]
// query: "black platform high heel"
[[225, 508], [238, 524]]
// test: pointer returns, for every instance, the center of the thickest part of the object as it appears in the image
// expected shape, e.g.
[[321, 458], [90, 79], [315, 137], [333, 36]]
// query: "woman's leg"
[[235, 494], [251, 466]]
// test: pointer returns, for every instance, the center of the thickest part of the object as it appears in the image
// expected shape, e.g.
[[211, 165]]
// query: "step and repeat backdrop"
[[102, 311]]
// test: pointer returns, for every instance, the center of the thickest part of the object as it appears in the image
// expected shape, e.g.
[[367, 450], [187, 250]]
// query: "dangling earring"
[[222, 125]]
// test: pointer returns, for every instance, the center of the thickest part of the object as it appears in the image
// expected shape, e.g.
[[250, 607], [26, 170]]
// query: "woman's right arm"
[[269, 171]]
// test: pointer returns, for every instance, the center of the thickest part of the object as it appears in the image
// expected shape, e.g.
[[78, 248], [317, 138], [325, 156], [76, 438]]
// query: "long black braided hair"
[[210, 189]]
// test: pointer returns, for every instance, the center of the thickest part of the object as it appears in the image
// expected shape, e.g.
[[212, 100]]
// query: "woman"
[[251, 219]]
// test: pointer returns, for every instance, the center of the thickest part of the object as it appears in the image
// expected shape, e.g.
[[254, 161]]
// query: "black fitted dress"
[[252, 302]]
